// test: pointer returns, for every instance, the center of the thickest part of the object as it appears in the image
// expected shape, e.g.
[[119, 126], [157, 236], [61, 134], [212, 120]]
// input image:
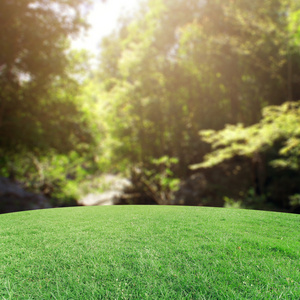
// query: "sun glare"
[[103, 19]]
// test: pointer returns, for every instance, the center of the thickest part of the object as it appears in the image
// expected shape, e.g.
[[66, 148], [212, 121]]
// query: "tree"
[[272, 146], [280, 124], [178, 67], [38, 108], [238, 50]]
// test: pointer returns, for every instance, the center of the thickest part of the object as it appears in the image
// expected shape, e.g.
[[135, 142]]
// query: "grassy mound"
[[149, 252]]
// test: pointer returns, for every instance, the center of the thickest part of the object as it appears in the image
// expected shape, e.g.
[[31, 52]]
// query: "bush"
[[57, 176], [273, 148], [156, 181]]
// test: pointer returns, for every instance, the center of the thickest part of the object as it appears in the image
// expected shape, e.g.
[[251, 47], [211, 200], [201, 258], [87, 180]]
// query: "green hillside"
[[149, 252]]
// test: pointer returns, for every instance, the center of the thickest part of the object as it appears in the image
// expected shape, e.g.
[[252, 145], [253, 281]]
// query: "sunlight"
[[103, 20]]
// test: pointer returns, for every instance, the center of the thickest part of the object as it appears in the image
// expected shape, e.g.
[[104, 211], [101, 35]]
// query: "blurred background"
[[162, 102]]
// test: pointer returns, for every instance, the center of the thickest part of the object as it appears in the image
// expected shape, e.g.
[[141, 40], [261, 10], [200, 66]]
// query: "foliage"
[[279, 124], [273, 141], [47, 133], [158, 180], [171, 69], [57, 176], [175, 68], [249, 201], [38, 107], [295, 200]]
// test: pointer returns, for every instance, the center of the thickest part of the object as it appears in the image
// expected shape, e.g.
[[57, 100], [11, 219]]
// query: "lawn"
[[149, 252]]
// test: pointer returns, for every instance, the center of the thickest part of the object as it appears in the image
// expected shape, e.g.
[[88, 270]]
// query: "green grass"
[[149, 252]]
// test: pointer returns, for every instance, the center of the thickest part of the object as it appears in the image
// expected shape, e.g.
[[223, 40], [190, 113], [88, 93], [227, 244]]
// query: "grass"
[[149, 252]]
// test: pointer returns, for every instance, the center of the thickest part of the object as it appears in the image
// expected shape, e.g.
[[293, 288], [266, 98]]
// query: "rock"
[[14, 198], [117, 183], [106, 198], [114, 194]]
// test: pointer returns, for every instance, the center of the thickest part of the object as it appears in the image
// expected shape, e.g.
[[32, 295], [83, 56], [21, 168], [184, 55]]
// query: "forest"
[[195, 101]]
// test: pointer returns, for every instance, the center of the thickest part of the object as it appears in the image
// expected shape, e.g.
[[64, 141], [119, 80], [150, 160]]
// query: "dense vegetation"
[[44, 125], [149, 252], [172, 69]]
